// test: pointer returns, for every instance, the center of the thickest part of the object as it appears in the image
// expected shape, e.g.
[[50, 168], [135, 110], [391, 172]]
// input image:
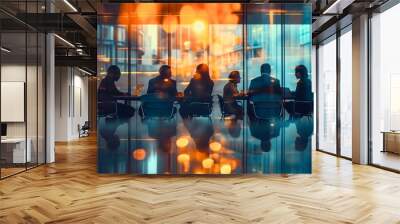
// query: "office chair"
[[107, 109], [84, 130], [221, 102], [264, 110], [155, 107], [200, 108], [304, 108], [222, 105]]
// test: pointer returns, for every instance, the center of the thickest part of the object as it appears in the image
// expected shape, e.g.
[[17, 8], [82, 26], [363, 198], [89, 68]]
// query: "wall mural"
[[204, 88]]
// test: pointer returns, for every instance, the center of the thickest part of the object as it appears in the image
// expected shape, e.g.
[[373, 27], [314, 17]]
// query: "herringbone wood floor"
[[70, 191]]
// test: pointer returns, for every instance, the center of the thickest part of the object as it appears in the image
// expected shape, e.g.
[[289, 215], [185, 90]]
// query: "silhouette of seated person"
[[163, 85], [107, 91], [161, 93], [304, 128], [231, 106], [265, 90], [199, 90], [303, 96], [265, 130]]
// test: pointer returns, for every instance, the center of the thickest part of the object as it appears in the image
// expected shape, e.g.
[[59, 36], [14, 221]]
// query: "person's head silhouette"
[[114, 72], [234, 76], [165, 71], [203, 72], [265, 69], [301, 72]]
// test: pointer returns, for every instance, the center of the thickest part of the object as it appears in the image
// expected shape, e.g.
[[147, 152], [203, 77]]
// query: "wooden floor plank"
[[70, 191]]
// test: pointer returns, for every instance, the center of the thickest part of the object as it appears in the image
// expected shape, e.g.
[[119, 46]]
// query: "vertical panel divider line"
[[69, 91], [26, 86], [45, 89], [245, 81], [180, 30], [60, 86], [1, 65], [316, 118], [37, 90], [282, 119], [100, 50], [169, 35], [338, 98], [129, 38], [73, 92], [369, 89]]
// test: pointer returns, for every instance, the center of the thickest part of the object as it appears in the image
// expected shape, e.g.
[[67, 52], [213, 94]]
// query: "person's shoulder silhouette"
[[107, 88], [163, 83], [304, 87], [265, 83]]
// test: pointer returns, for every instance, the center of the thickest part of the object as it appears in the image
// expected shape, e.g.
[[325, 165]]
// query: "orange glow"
[[197, 76], [199, 26], [198, 172], [186, 44], [236, 6], [103, 58], [226, 169], [182, 142], [187, 14], [207, 163], [271, 17], [170, 24], [215, 146], [215, 156], [146, 12], [234, 164], [183, 158], [141, 73], [139, 154]]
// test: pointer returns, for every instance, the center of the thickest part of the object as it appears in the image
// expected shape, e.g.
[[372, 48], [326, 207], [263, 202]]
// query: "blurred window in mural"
[[205, 88]]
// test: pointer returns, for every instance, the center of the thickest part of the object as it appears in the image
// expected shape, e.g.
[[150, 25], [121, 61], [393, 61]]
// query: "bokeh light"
[[199, 26], [215, 146], [182, 142], [207, 163], [225, 169], [139, 154], [183, 158], [170, 23]]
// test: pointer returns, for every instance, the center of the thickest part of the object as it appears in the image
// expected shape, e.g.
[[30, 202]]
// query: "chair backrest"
[[200, 109], [267, 109], [86, 125], [221, 103], [106, 108], [157, 107], [304, 107]]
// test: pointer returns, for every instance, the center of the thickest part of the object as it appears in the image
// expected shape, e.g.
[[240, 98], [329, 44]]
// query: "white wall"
[[71, 102], [33, 127], [16, 73]]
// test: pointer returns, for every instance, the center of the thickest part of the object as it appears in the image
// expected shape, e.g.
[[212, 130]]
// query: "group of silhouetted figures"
[[265, 96]]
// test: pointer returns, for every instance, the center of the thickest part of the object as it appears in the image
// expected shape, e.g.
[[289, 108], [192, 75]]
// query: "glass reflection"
[[210, 99]]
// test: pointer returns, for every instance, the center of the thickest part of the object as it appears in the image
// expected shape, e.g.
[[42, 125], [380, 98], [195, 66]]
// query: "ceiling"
[[76, 22]]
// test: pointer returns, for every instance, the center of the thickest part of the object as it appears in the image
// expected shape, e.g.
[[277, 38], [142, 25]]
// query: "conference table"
[[182, 98]]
